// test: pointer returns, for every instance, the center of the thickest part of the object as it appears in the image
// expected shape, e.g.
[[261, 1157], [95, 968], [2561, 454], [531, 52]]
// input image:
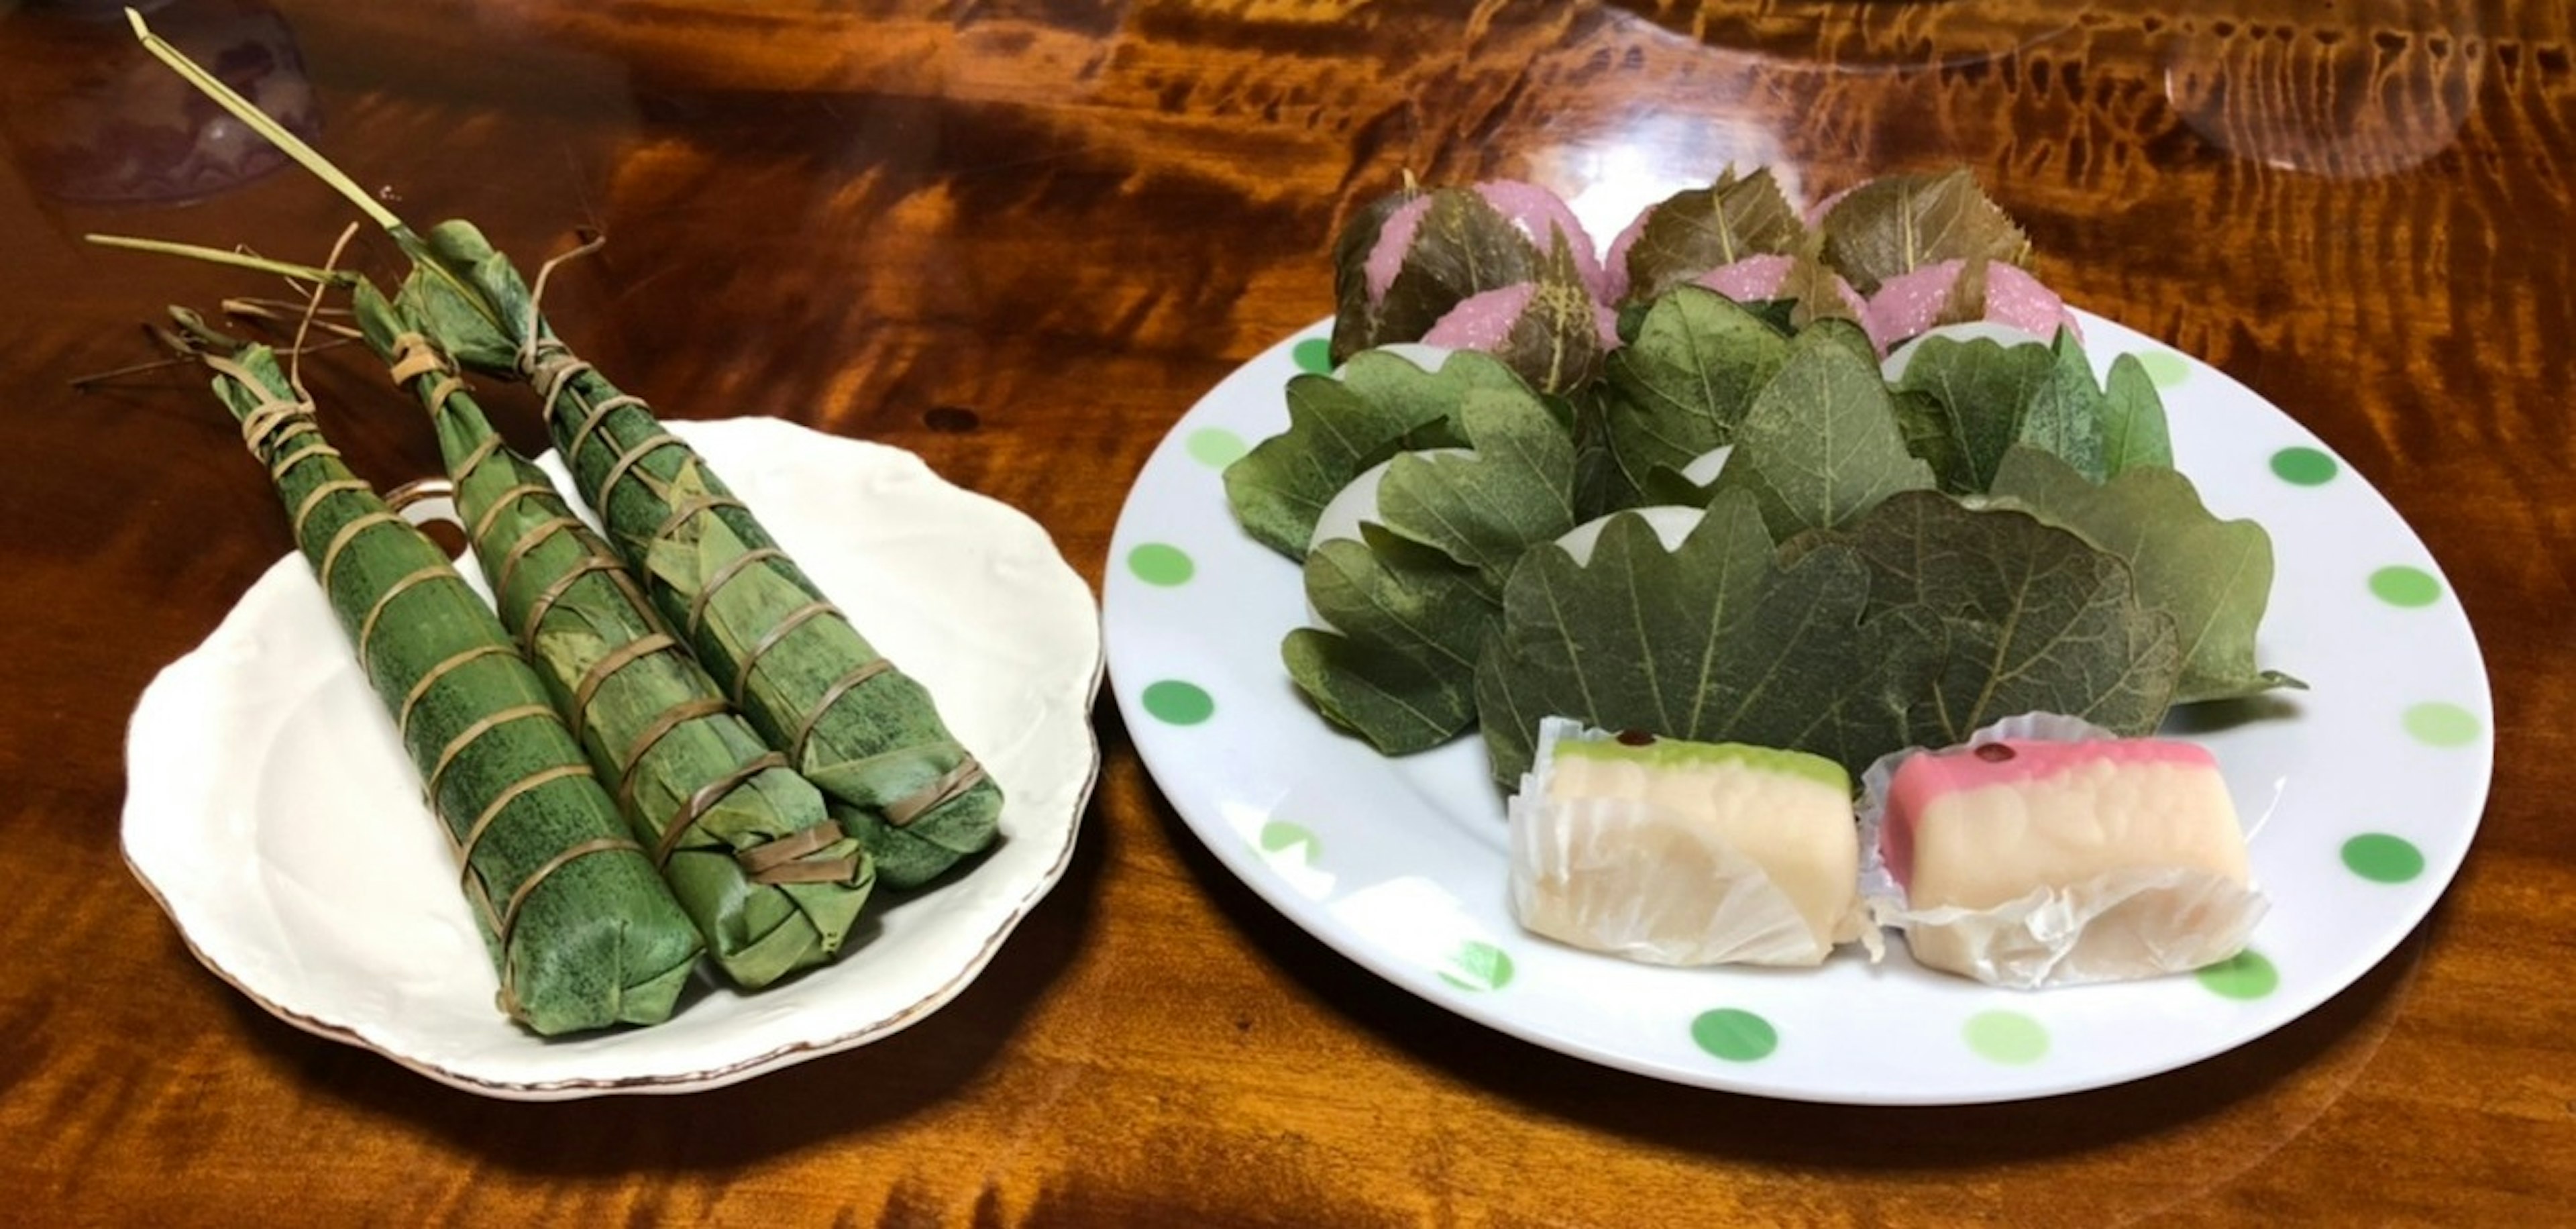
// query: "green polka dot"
[[1158, 564], [2303, 466], [1178, 703], [1314, 354], [1478, 966], [2400, 585], [2165, 367], [1279, 834], [1735, 1035], [2438, 724], [2007, 1037], [1214, 447], [2381, 858], [2245, 975]]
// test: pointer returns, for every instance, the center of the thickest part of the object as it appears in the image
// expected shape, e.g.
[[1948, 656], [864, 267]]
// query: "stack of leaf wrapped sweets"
[[665, 741]]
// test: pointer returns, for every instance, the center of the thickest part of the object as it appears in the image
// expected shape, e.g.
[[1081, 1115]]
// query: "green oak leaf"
[[2213, 578], [1694, 231], [1380, 404], [1682, 384], [2134, 435], [1514, 488], [2038, 619], [1820, 445], [1962, 403], [1398, 668], [1901, 223], [1718, 640]]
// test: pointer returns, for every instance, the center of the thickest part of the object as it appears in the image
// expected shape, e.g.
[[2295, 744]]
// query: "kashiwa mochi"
[[2040, 861], [1684, 853]]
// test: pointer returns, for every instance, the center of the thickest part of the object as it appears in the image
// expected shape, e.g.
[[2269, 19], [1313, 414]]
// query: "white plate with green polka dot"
[[2360, 795]]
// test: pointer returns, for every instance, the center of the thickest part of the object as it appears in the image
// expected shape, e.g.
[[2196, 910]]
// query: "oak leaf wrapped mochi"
[[1683, 853], [2048, 852]]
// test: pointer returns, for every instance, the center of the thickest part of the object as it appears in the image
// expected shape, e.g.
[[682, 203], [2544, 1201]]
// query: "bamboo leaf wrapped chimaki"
[[864, 732], [581, 929], [747, 845]]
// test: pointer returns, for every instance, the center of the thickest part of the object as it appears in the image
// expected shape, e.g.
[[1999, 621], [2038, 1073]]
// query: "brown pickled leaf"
[[1903, 222]]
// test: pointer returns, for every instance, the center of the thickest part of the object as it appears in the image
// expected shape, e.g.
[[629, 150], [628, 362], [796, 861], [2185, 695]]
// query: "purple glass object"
[[92, 117]]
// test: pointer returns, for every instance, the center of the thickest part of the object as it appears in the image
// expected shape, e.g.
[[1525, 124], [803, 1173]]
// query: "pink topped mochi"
[[1976, 826], [1910, 303], [1534, 211], [1484, 321]]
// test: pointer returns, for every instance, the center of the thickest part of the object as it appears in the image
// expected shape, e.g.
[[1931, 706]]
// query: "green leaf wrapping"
[[1399, 669], [597, 940], [1820, 446], [630, 704], [1338, 426], [1720, 640], [1412, 602], [1680, 387], [2037, 619], [866, 734], [2213, 578]]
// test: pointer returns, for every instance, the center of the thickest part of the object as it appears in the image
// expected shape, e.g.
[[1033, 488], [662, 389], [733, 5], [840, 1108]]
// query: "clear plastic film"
[[1652, 883]]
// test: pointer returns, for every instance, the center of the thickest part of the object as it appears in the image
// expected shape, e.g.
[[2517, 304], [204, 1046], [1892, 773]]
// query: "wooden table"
[[1021, 239]]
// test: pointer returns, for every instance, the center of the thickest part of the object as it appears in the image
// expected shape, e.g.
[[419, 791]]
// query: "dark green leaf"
[[1714, 641], [1462, 246], [2038, 619]]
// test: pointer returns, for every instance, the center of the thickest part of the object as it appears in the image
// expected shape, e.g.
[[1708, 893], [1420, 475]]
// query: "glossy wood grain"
[[1021, 237]]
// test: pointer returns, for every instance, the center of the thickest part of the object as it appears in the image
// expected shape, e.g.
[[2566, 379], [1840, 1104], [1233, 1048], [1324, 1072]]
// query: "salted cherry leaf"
[[1901, 223]]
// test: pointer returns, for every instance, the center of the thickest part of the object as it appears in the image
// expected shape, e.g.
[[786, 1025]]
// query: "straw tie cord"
[[705, 800], [955, 782], [783, 860]]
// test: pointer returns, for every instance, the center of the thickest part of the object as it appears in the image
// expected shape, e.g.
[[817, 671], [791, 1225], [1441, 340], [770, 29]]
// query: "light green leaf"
[[2212, 578], [1964, 403], [1483, 509], [1399, 667], [1684, 382], [1820, 446], [1381, 405], [2133, 420]]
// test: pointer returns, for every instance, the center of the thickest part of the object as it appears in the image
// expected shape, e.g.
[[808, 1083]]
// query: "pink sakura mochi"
[[1977, 827]]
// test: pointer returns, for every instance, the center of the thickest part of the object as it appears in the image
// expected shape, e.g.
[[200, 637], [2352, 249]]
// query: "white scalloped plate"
[[271, 811], [2361, 796]]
